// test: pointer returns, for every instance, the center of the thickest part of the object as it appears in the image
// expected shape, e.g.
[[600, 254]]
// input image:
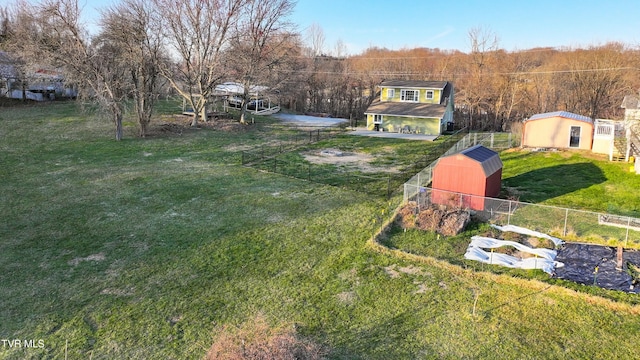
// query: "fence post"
[[492, 140], [566, 217], [509, 215], [627, 236], [309, 173]]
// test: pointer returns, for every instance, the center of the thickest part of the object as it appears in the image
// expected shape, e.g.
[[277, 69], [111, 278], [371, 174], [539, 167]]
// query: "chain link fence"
[[496, 141], [287, 143], [272, 158], [564, 223]]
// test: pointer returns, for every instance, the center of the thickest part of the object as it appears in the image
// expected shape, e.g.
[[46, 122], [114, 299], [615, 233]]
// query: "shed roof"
[[564, 114], [487, 158]]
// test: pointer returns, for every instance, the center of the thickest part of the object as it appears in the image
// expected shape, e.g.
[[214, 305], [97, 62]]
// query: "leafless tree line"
[[493, 88], [194, 45]]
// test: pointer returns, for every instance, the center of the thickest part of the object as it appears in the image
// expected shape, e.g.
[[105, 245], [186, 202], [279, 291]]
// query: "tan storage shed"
[[560, 129]]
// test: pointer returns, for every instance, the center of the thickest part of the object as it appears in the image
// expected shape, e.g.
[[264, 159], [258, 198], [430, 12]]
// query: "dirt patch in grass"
[[422, 288], [353, 160], [117, 292], [93, 257], [391, 271], [411, 270], [347, 297]]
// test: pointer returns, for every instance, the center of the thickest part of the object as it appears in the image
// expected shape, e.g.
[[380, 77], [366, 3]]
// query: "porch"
[[617, 139]]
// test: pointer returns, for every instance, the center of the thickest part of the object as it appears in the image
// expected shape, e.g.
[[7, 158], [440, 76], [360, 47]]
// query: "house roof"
[[406, 109], [234, 88], [564, 114], [414, 84], [630, 102], [488, 159]]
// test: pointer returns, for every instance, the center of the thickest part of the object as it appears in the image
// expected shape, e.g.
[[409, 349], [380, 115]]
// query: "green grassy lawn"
[[572, 179], [145, 248]]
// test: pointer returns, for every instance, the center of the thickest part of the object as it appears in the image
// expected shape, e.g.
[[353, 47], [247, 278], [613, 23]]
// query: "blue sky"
[[518, 24]]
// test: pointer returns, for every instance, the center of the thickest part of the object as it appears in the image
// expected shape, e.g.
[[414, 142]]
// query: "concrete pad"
[[393, 135], [309, 121]]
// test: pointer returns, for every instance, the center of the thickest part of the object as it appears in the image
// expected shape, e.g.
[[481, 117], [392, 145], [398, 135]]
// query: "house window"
[[409, 95], [391, 93], [429, 95]]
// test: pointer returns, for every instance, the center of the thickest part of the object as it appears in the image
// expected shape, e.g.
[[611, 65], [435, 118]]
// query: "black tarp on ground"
[[580, 261]]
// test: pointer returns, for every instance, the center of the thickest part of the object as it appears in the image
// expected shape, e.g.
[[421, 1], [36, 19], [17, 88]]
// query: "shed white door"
[[574, 136]]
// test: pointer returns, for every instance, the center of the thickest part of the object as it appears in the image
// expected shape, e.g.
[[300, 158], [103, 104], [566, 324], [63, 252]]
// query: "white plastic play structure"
[[543, 259]]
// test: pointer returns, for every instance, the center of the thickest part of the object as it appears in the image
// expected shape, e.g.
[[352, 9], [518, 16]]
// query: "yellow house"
[[414, 106]]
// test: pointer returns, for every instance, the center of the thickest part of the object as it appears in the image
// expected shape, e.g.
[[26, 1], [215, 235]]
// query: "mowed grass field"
[[148, 248]]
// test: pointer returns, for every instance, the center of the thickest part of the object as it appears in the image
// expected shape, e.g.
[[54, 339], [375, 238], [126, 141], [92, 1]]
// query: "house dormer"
[[424, 92]]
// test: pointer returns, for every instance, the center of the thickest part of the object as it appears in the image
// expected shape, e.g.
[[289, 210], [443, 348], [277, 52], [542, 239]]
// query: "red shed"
[[474, 171]]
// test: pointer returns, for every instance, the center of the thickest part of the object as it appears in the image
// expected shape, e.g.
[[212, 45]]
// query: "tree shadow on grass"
[[550, 182]]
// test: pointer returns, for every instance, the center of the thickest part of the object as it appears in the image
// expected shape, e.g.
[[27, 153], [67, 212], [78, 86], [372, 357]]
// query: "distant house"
[[424, 107], [631, 106], [559, 129], [8, 73], [38, 83]]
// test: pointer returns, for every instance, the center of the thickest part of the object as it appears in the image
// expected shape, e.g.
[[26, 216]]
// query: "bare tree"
[[315, 39], [198, 32], [15, 23], [128, 28], [258, 46], [595, 79], [5, 25], [339, 49], [475, 94], [57, 35]]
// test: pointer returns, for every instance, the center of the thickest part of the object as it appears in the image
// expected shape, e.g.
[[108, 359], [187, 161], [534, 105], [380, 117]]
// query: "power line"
[[413, 73]]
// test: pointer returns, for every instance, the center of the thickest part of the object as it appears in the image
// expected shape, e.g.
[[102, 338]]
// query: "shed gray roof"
[[564, 114], [488, 159]]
